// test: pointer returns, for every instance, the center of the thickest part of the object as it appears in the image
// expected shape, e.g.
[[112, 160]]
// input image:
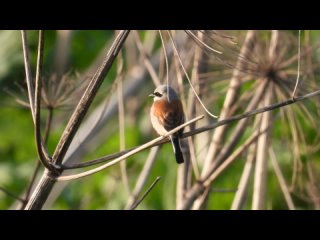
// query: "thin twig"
[[252, 113], [166, 59], [87, 98], [42, 152], [10, 194], [27, 67], [201, 42], [46, 183], [191, 109], [260, 174], [123, 157], [146, 193], [238, 200], [237, 132], [184, 171], [299, 56], [202, 186], [201, 129], [230, 98], [212, 176], [121, 114], [281, 180], [187, 76], [146, 60], [36, 170], [142, 179]]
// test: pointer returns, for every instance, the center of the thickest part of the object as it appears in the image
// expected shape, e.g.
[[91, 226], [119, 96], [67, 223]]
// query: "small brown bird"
[[166, 114]]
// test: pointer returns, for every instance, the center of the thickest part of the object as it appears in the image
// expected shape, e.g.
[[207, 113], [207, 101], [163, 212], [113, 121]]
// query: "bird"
[[166, 113]]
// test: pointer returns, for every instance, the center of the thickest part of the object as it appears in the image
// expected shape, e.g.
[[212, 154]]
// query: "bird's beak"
[[151, 95]]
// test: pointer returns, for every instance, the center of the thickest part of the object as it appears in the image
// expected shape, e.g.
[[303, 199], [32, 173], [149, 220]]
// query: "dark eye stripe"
[[158, 94]]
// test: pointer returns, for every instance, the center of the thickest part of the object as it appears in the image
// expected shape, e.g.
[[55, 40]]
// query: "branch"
[[203, 185], [197, 39], [123, 157], [200, 130], [87, 98], [12, 195], [299, 56], [187, 76], [146, 60], [252, 113], [212, 176], [240, 195], [47, 182], [27, 67], [142, 179], [281, 180], [42, 152], [36, 170], [230, 98], [145, 194]]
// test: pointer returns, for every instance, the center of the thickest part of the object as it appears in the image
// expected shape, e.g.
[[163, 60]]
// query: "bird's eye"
[[158, 94]]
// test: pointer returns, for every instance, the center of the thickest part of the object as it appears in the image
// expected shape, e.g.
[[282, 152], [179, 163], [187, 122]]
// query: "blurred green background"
[[105, 190]]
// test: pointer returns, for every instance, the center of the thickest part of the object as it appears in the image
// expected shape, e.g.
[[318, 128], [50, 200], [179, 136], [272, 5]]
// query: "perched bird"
[[166, 114]]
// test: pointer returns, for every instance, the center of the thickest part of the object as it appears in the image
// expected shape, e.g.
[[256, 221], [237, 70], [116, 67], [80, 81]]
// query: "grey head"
[[164, 92]]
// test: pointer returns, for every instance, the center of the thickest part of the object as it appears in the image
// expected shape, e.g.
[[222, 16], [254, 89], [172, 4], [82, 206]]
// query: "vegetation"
[[269, 160]]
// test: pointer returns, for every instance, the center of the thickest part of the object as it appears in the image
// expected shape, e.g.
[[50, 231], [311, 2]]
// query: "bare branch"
[[187, 76], [10, 194], [145, 194], [299, 56], [230, 98], [203, 185], [142, 177], [197, 39], [260, 175], [146, 60], [166, 58], [36, 170], [281, 180], [42, 152], [252, 113], [87, 98], [121, 116], [27, 67], [210, 178], [123, 157], [47, 182], [244, 180], [202, 129]]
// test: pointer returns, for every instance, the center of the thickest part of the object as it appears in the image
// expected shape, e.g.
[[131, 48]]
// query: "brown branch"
[[87, 98], [260, 173], [299, 57], [230, 98], [146, 60], [200, 130], [125, 156], [281, 180], [121, 119], [10, 194], [46, 183], [142, 179], [252, 113], [203, 185], [42, 152], [135, 205], [27, 67], [36, 170], [241, 193], [210, 178]]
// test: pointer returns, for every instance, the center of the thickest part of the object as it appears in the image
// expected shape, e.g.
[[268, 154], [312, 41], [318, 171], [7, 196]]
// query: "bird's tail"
[[177, 149]]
